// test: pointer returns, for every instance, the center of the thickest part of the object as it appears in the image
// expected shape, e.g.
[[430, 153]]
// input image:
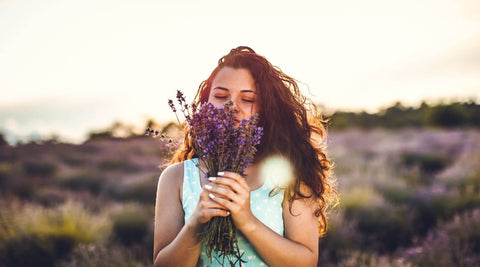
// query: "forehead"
[[234, 79]]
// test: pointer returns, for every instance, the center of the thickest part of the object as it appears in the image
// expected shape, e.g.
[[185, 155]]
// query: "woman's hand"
[[232, 192], [206, 209]]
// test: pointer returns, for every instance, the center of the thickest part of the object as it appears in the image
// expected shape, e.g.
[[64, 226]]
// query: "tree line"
[[451, 115]]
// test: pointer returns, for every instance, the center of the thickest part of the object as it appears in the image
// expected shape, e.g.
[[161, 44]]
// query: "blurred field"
[[408, 197]]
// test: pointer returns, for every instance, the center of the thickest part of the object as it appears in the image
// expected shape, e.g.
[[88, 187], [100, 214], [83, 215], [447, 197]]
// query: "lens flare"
[[277, 171]]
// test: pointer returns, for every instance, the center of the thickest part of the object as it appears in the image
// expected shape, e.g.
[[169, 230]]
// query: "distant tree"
[[451, 115], [116, 130], [3, 142], [121, 130], [474, 112], [106, 134], [52, 139]]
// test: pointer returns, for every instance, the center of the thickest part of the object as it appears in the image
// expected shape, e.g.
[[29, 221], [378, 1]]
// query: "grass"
[[32, 235]]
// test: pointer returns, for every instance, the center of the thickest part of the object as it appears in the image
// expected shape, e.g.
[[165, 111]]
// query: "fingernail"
[[212, 178], [221, 173], [209, 187], [211, 196]]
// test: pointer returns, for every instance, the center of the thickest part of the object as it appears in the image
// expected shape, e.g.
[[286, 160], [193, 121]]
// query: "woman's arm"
[[177, 243], [299, 247], [173, 242]]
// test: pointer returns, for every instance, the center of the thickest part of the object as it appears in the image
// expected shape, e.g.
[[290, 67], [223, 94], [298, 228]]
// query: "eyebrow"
[[241, 91]]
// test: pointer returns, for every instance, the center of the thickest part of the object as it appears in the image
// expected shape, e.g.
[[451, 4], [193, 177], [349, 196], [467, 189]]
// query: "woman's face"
[[238, 86]]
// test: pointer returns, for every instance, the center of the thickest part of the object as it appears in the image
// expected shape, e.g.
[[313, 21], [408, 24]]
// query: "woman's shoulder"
[[172, 175]]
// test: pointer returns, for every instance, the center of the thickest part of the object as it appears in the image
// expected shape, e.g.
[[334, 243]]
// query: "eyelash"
[[246, 100]]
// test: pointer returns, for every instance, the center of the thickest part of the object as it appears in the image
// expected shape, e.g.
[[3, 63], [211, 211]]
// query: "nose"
[[234, 106]]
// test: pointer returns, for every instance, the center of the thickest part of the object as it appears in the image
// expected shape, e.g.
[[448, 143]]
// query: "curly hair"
[[291, 125]]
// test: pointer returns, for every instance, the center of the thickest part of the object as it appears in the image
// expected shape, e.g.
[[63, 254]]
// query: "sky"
[[68, 67]]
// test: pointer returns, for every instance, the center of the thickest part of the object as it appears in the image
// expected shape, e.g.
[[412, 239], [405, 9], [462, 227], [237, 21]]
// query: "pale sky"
[[71, 66]]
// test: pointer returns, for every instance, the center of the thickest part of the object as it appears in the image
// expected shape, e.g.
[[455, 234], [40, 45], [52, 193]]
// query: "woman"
[[273, 229]]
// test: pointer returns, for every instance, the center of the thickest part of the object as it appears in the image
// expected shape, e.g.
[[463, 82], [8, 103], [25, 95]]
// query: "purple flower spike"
[[222, 146], [172, 106]]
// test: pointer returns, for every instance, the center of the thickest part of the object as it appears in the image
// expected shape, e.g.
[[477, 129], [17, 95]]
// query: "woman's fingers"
[[209, 208], [223, 202], [210, 213], [231, 183], [226, 192], [230, 190], [206, 202], [233, 176]]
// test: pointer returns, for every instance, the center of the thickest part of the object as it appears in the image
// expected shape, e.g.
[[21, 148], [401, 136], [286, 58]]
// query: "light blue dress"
[[267, 209]]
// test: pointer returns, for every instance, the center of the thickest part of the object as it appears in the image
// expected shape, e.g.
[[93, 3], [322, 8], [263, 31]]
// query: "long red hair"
[[291, 125]]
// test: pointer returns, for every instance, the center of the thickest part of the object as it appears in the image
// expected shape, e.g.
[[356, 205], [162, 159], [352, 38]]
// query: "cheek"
[[249, 109], [255, 108], [215, 102]]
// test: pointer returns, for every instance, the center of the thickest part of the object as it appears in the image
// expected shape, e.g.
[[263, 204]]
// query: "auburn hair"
[[291, 125]]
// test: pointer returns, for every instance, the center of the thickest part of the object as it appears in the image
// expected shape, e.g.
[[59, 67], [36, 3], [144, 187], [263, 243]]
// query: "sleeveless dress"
[[267, 209]]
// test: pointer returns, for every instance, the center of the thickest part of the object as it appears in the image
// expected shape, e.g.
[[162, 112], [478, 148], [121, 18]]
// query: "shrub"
[[396, 195], [27, 250], [89, 148], [427, 208], [35, 236], [71, 160], [341, 238], [131, 225], [21, 187], [13, 183], [357, 197], [50, 197], [427, 163], [83, 181], [42, 169], [118, 165], [364, 259], [453, 243], [104, 255], [383, 227], [464, 202], [465, 185], [141, 190], [6, 171]]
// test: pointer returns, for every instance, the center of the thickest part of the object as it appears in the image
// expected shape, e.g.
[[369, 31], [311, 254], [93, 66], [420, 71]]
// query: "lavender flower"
[[222, 147]]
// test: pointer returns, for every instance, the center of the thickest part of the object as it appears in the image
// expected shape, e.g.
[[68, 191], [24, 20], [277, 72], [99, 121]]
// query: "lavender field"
[[408, 197]]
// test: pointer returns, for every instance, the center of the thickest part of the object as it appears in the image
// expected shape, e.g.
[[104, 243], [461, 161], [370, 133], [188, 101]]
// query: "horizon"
[[138, 127]]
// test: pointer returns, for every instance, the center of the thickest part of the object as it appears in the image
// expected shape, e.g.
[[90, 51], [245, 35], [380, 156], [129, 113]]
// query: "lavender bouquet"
[[221, 146]]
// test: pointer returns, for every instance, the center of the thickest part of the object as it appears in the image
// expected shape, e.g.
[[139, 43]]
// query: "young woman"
[[279, 229]]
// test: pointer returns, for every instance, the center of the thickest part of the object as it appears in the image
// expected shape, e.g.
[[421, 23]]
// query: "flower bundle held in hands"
[[221, 146]]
